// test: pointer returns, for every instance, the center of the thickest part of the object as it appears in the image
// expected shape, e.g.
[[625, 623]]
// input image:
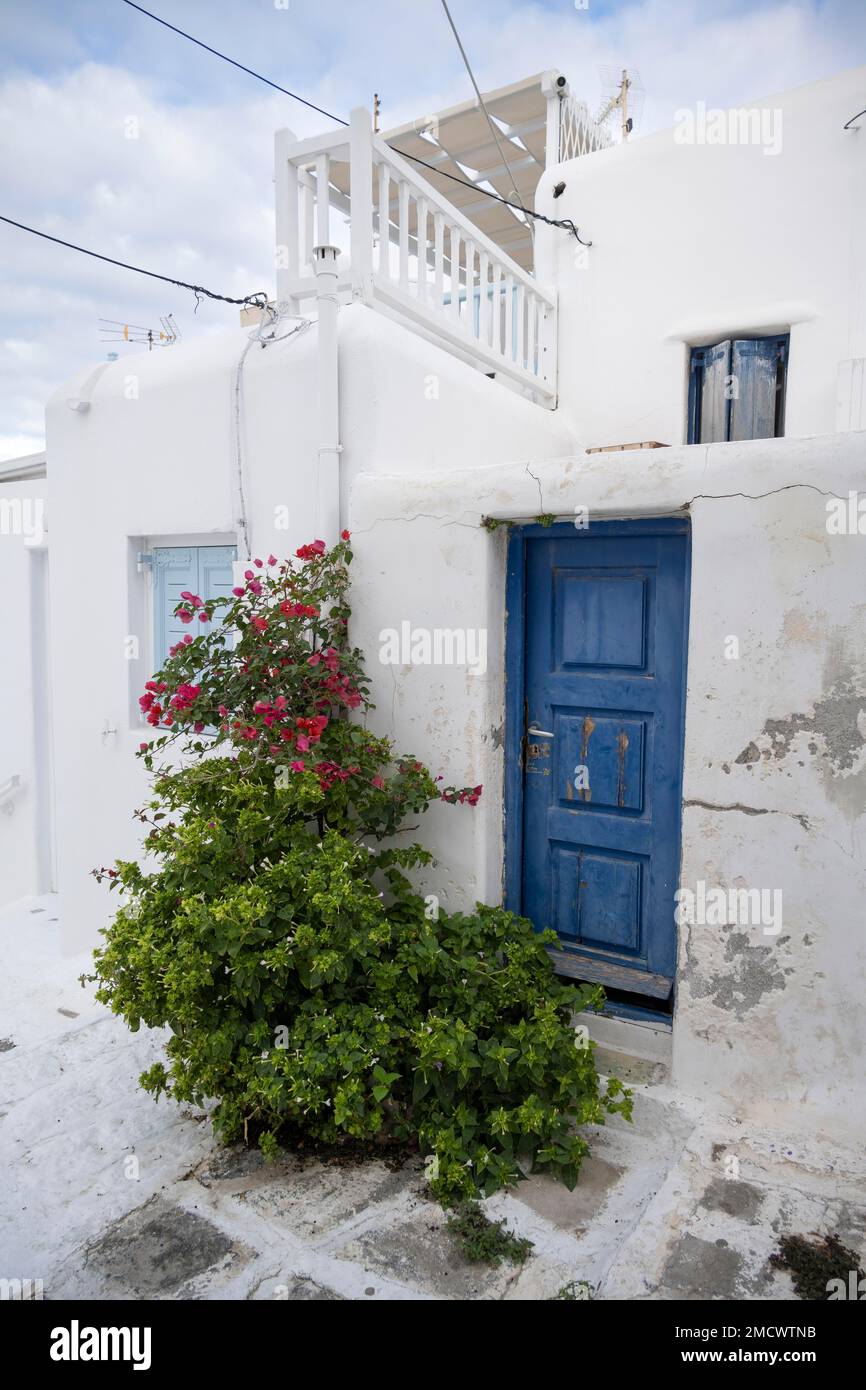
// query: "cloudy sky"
[[192, 196]]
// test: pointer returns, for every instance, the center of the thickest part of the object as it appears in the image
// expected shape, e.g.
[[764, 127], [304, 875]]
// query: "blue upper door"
[[606, 620]]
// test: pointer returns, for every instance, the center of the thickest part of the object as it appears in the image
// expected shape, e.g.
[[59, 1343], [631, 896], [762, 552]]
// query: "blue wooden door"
[[605, 641]]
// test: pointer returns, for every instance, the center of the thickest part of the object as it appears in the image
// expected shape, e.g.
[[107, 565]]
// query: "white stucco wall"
[[153, 458], [693, 243], [774, 776], [24, 726], [769, 1027]]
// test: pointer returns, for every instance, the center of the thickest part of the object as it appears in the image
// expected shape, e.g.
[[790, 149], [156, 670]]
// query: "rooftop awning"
[[538, 122], [459, 141]]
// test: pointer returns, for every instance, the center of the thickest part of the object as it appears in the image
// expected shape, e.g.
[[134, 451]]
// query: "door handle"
[[539, 733]]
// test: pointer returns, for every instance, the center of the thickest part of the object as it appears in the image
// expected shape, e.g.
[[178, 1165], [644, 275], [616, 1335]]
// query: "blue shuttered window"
[[737, 390], [205, 570]]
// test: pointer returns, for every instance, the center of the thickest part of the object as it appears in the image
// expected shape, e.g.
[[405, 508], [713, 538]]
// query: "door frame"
[[515, 668]]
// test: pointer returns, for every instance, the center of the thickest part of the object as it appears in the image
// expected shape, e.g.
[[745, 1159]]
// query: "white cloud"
[[15, 446]]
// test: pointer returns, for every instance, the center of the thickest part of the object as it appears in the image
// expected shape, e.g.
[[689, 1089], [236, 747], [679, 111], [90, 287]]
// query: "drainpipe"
[[330, 448]]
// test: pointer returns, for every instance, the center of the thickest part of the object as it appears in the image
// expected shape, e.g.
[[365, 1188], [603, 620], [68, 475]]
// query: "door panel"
[[604, 698]]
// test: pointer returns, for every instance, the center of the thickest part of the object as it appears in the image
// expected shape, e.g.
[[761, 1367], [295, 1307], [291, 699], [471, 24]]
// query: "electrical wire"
[[564, 222], [259, 299], [226, 59], [488, 117], [275, 318]]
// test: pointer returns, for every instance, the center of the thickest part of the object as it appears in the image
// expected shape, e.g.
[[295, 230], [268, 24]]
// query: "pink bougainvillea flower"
[[280, 702], [238, 593], [379, 782], [314, 659], [299, 610], [313, 728], [203, 618], [248, 574], [260, 624], [345, 535], [298, 765], [185, 593], [258, 564], [309, 552], [142, 747], [272, 559]]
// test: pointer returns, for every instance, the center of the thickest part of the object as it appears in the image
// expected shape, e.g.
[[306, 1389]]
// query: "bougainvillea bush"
[[309, 989]]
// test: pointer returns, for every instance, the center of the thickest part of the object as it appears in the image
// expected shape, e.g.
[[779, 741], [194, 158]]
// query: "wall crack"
[[747, 810]]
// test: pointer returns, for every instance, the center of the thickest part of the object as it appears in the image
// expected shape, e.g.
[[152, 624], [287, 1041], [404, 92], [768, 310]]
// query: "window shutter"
[[204, 570], [175, 568], [713, 404], [756, 370], [215, 570]]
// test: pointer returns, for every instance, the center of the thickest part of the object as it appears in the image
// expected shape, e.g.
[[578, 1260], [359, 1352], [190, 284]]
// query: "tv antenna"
[[115, 331], [625, 94]]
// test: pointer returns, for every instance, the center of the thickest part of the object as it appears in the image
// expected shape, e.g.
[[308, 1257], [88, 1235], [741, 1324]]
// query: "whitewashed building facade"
[[697, 608]]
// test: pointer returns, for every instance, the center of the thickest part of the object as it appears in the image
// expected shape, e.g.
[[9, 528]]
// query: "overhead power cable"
[[564, 222], [493, 131], [226, 59], [260, 298]]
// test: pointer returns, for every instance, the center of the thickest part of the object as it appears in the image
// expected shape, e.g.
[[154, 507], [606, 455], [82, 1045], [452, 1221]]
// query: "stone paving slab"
[[111, 1195]]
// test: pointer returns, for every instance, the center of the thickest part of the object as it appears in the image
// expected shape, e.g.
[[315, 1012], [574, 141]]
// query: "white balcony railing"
[[413, 254]]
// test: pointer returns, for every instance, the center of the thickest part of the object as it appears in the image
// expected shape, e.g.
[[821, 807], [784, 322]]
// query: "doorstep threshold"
[[648, 1040]]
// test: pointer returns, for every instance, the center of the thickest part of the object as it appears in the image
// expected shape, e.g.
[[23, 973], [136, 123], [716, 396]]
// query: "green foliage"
[[309, 989], [575, 1291], [484, 1241]]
